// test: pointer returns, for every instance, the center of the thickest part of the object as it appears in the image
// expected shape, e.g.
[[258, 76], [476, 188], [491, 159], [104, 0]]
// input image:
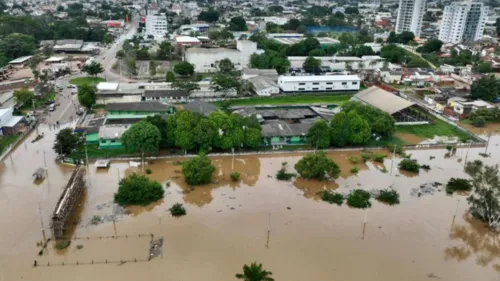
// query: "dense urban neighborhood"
[[189, 140]]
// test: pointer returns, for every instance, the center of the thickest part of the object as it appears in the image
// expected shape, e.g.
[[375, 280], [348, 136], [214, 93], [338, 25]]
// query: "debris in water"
[[155, 248], [432, 275], [288, 208], [426, 189], [79, 247], [232, 208]]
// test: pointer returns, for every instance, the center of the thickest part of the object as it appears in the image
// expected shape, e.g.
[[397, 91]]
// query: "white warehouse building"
[[205, 59], [318, 83]]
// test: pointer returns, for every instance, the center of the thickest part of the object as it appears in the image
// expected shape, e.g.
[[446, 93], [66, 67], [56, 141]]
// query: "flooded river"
[[283, 225]]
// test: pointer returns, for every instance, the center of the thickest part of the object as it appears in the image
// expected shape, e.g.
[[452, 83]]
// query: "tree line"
[[193, 132], [20, 35], [356, 125]]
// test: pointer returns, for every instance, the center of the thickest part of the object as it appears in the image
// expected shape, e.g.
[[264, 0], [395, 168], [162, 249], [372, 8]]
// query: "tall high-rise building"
[[463, 21], [410, 16], [156, 25]]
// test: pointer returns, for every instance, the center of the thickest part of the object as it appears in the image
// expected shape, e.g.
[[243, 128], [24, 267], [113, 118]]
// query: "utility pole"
[[467, 153], [45, 161], [364, 224], [393, 154], [33, 104], [488, 142], [41, 222]]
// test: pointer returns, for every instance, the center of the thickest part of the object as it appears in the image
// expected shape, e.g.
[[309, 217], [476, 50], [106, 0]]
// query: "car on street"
[[71, 86], [52, 107]]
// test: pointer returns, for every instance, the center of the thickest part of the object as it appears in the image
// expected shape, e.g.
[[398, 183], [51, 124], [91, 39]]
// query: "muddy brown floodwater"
[[227, 223]]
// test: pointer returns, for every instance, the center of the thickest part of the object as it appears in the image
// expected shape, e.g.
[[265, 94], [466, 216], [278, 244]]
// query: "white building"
[[156, 25], [463, 22], [410, 16], [318, 83], [205, 59], [264, 86]]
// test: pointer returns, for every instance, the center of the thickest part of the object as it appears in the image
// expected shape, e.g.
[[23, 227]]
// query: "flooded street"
[[283, 225]]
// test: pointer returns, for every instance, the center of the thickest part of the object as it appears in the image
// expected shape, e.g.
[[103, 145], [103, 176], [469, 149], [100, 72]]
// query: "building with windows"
[[463, 21], [318, 83], [410, 16], [156, 25]]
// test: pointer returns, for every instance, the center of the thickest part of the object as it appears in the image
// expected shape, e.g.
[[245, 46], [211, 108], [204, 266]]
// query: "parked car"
[[71, 86], [52, 107]]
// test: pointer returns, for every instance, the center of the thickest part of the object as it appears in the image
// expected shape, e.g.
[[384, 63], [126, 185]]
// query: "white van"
[[52, 107]]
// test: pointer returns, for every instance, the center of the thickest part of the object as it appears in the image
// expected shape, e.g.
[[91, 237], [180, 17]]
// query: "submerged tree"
[[318, 135], [65, 142], [138, 190], [198, 170], [255, 272], [485, 198], [317, 166]]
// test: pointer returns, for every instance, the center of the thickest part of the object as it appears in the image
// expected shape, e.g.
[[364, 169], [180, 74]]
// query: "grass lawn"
[[5, 141], [338, 99], [94, 152], [382, 143], [86, 80], [439, 128]]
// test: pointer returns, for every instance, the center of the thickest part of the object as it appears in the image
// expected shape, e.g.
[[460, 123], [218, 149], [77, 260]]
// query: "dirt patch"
[[494, 128], [409, 138]]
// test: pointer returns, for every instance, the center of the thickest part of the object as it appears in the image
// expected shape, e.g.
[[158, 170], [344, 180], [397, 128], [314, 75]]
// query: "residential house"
[[10, 124]]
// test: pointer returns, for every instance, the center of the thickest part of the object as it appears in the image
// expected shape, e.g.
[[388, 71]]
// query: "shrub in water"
[[354, 159], [198, 170], [354, 170], [379, 158], [282, 174], [359, 198], [366, 156], [63, 244], [425, 167], [398, 149], [457, 184], [177, 210], [409, 165], [389, 196], [148, 171], [235, 176], [332, 197], [138, 190], [479, 122], [317, 166]]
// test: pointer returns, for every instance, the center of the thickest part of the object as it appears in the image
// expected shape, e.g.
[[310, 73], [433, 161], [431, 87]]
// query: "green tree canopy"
[[17, 45], [225, 66], [204, 134], [312, 65], [184, 68], [485, 200], [170, 76], [87, 95], [381, 123], [317, 166], [23, 96], [254, 272], [152, 67], [142, 137], [224, 83], [198, 170], [393, 53], [185, 124], [93, 69], [238, 24], [186, 85], [431, 45], [253, 138], [318, 134], [487, 88], [161, 125], [340, 129], [484, 67], [359, 130], [138, 190], [209, 15], [65, 142]]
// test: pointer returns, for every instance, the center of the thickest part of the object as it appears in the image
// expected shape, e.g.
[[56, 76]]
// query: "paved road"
[[68, 103]]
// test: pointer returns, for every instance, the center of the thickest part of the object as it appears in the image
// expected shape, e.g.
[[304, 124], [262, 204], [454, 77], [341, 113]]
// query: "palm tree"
[[254, 272]]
